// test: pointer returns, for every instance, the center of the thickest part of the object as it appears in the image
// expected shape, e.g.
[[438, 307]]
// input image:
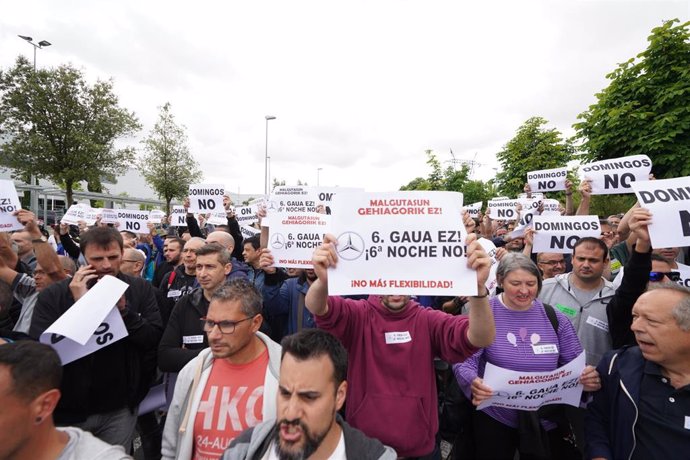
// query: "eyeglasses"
[[225, 326], [658, 276], [553, 262]]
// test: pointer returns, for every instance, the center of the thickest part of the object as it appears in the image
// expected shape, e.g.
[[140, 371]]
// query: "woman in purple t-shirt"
[[526, 340]]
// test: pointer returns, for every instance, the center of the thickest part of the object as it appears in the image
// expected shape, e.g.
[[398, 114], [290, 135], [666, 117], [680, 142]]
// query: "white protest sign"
[[206, 197], [218, 218], [9, 203], [491, 281], [474, 209], [293, 237], [246, 215], [156, 215], [92, 323], [531, 390], [684, 271], [503, 209], [132, 220], [669, 202], [248, 232], [324, 196], [547, 180], [400, 243], [108, 216], [74, 214], [524, 222], [533, 196], [178, 217], [551, 207], [560, 233], [616, 175]]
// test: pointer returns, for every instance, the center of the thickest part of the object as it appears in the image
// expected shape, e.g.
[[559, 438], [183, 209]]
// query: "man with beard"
[[312, 389], [182, 279], [228, 387], [172, 258], [284, 298]]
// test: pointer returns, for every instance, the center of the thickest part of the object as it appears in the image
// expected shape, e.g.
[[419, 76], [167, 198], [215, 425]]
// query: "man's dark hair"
[[313, 343], [101, 237], [176, 239], [255, 241], [251, 302], [224, 255], [593, 241], [35, 368]]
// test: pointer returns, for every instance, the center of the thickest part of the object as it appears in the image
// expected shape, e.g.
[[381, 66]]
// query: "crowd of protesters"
[[258, 362]]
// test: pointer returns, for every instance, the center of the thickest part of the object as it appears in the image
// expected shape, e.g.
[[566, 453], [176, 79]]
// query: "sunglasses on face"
[[658, 276]]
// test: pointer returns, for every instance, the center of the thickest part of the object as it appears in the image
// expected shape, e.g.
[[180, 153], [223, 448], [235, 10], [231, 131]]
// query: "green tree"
[[646, 107], [533, 148], [167, 165], [61, 128], [452, 180]]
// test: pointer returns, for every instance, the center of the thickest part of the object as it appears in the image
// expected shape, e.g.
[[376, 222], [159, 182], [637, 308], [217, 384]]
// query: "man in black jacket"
[[184, 336], [101, 391]]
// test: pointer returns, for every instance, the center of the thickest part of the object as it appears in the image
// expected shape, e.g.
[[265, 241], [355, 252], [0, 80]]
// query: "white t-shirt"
[[83, 445], [338, 453]]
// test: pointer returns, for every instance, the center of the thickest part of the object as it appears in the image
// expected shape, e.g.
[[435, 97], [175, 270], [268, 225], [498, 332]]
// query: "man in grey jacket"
[[311, 391], [582, 296], [229, 386]]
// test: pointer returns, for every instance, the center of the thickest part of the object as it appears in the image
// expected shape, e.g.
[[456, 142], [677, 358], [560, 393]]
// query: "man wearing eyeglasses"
[[550, 264], [644, 268], [228, 387]]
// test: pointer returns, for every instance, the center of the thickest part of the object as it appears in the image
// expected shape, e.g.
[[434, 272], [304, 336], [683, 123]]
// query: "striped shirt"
[[516, 332]]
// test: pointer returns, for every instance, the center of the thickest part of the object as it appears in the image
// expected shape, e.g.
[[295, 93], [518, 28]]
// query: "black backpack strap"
[[551, 314]]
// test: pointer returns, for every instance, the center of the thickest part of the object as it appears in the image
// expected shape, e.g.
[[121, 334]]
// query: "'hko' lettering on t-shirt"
[[232, 401]]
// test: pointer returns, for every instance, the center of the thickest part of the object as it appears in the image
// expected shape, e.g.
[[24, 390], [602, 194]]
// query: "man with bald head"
[[133, 261]]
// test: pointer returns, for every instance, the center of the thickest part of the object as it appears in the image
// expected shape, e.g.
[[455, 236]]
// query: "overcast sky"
[[359, 88]]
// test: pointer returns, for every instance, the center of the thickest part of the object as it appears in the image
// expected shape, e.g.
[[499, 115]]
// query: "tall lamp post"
[[268, 118], [318, 170], [34, 193]]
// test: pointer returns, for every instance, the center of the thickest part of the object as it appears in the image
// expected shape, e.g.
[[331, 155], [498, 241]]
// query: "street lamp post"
[[268, 118], [269, 172], [39, 45], [33, 200], [318, 170]]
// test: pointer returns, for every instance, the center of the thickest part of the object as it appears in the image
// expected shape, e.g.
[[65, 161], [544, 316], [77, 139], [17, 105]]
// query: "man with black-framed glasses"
[[228, 387], [550, 264]]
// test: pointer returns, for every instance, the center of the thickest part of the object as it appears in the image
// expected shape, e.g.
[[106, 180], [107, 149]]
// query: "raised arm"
[[585, 190], [323, 258], [46, 257], [482, 330]]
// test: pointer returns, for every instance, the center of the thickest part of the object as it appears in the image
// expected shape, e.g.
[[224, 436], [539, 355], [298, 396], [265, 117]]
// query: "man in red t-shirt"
[[228, 387]]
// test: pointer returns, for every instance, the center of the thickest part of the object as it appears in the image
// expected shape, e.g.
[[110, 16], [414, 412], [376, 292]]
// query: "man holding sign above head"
[[101, 391], [392, 342]]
